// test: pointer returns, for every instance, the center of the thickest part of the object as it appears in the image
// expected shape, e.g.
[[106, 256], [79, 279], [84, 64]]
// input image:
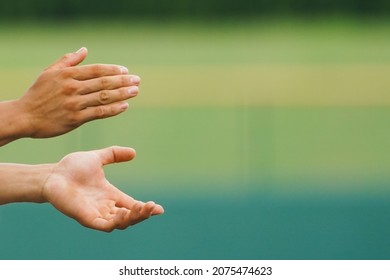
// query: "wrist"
[[42, 172], [14, 122], [22, 119]]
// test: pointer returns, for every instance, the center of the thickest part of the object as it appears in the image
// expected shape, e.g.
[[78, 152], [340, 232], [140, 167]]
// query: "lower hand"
[[78, 188]]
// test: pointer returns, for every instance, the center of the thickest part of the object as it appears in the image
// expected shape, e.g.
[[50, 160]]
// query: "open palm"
[[78, 188]]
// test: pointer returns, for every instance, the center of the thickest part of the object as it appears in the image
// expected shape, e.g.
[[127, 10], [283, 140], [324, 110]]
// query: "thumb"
[[69, 59], [115, 154]]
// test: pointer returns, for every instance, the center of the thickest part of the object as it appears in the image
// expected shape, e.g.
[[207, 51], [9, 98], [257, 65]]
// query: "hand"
[[66, 95], [78, 188]]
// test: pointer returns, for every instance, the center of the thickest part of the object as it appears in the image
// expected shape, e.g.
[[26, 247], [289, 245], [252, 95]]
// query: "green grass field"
[[285, 122]]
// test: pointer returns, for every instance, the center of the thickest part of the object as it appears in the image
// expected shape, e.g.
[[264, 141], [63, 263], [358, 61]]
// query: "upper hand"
[[66, 95]]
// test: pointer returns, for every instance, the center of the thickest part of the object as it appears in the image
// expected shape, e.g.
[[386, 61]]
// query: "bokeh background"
[[262, 127]]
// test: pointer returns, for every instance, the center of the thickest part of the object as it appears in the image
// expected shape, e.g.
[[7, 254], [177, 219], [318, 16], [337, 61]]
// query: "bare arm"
[[22, 182], [66, 96], [77, 187]]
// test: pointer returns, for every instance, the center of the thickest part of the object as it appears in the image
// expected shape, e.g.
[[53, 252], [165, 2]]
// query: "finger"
[[124, 218], [121, 217], [115, 154], [158, 210], [124, 200], [87, 72], [69, 59], [101, 112], [108, 82], [141, 212], [127, 201], [151, 209], [136, 214], [105, 97], [110, 222], [103, 224], [147, 209]]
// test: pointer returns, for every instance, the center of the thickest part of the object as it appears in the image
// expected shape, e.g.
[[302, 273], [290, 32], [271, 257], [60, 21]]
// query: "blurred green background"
[[262, 127]]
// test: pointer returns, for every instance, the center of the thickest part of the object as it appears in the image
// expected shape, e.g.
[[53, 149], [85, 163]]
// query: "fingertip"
[[127, 153], [115, 154], [123, 70], [133, 152], [82, 54], [70, 59], [135, 80], [132, 91], [154, 208], [158, 210], [82, 50], [124, 106]]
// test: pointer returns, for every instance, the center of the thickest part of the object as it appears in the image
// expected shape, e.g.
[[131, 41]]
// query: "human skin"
[[77, 187], [65, 96]]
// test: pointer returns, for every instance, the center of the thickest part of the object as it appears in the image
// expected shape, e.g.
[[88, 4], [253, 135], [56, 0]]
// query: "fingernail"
[[81, 49], [124, 106], [124, 70], [133, 90], [135, 80]]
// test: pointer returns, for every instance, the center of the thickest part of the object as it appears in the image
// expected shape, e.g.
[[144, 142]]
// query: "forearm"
[[13, 122], [23, 183]]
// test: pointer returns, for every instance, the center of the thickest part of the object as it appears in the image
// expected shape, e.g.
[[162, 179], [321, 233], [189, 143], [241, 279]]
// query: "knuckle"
[[96, 69], [73, 119], [67, 56], [125, 81], [71, 105], [113, 111], [100, 111], [69, 87], [64, 73], [104, 111], [122, 94], [104, 97], [104, 83]]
